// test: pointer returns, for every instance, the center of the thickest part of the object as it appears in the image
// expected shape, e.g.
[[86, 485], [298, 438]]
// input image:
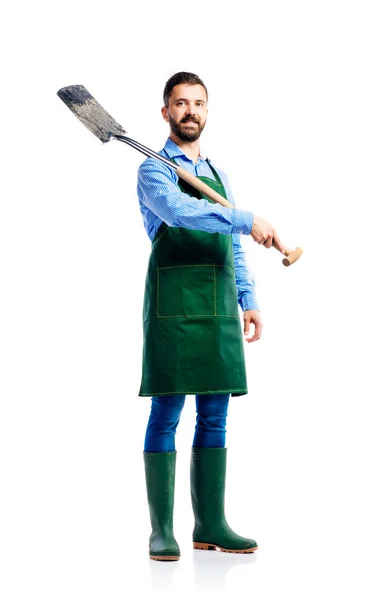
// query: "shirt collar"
[[173, 150]]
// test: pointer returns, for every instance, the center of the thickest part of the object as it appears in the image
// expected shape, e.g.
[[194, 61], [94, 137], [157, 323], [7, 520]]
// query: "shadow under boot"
[[207, 484], [160, 482]]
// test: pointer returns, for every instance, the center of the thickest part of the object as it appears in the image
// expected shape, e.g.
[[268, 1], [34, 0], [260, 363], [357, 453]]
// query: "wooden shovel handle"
[[198, 184]]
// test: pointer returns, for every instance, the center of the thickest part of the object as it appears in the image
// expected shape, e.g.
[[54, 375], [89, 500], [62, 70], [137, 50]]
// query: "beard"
[[184, 133]]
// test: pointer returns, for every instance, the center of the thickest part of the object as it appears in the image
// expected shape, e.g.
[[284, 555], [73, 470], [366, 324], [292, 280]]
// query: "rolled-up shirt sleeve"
[[245, 280]]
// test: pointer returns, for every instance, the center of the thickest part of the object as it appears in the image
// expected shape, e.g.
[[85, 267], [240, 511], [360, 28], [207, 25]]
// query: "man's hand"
[[263, 233], [252, 316]]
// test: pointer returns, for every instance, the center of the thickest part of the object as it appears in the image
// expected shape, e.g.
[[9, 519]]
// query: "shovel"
[[103, 126]]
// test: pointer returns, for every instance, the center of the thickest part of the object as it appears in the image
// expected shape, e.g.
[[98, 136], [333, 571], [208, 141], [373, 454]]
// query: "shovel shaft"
[[146, 151], [199, 185]]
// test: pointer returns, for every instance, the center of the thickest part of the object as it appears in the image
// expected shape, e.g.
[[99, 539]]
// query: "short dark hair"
[[177, 79]]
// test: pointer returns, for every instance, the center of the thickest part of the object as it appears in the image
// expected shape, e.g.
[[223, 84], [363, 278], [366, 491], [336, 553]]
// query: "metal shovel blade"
[[90, 112]]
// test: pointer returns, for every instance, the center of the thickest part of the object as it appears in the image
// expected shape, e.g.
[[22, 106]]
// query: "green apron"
[[192, 330]]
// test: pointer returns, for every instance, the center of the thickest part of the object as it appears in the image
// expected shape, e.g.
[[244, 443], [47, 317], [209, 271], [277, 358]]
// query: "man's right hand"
[[263, 233]]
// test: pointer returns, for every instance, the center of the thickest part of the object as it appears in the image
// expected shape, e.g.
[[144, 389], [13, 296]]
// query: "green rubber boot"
[[207, 479], [160, 478]]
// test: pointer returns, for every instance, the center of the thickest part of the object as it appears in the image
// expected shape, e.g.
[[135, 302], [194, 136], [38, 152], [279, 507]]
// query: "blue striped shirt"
[[160, 199]]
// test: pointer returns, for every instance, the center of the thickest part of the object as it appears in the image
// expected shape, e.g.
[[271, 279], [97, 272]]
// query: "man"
[[197, 276]]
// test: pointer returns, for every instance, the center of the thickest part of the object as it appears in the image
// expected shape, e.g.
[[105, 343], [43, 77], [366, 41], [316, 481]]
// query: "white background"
[[291, 121]]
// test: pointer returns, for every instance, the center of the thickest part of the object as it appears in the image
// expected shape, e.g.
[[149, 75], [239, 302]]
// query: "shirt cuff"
[[243, 222], [248, 302]]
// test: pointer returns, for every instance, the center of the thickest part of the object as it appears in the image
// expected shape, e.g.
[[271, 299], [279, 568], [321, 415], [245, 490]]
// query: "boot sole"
[[204, 546], [164, 557]]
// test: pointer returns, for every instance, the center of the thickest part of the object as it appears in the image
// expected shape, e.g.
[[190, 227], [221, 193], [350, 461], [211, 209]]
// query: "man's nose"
[[190, 109]]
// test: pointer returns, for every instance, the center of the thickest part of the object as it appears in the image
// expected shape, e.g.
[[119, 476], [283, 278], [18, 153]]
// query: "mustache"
[[189, 118]]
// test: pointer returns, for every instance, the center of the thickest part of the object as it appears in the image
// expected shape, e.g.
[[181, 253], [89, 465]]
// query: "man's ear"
[[164, 112]]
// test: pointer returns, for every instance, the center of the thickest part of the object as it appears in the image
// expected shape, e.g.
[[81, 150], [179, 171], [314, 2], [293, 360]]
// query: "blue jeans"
[[210, 427]]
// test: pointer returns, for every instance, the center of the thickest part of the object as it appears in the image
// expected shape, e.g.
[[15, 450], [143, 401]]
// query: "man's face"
[[186, 112]]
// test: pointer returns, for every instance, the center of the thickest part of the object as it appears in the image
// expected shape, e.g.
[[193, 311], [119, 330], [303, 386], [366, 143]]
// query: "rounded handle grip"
[[290, 256]]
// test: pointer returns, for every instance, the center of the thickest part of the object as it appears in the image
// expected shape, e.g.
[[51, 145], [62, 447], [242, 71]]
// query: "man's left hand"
[[249, 317]]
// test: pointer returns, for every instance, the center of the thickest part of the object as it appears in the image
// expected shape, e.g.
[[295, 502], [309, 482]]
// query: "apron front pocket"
[[186, 291]]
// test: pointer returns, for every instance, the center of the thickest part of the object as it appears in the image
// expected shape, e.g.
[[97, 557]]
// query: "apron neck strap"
[[216, 175]]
